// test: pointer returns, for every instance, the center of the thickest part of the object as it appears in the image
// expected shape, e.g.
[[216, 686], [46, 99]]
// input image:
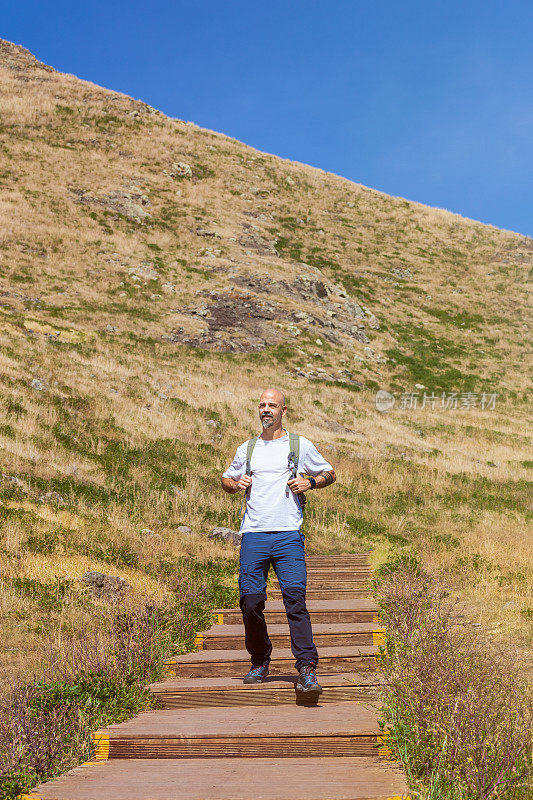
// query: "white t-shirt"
[[272, 506]]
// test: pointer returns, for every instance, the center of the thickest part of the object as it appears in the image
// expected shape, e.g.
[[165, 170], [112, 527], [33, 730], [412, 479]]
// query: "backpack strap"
[[294, 448], [294, 451], [249, 450]]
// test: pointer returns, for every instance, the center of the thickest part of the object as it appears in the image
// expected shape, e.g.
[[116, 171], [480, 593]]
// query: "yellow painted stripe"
[[28, 797], [170, 668], [384, 751], [219, 619], [378, 636], [100, 742], [199, 641]]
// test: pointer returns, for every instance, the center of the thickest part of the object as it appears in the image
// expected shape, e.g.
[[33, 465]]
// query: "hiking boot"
[[307, 681], [256, 674]]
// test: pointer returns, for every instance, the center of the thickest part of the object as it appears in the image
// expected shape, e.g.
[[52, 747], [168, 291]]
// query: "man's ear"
[[283, 410]]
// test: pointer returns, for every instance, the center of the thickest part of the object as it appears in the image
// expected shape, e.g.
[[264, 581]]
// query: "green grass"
[[431, 360]]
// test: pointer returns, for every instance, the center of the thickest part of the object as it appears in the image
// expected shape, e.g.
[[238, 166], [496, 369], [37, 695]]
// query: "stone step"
[[231, 637], [349, 778], [245, 732], [275, 690], [236, 663], [320, 611]]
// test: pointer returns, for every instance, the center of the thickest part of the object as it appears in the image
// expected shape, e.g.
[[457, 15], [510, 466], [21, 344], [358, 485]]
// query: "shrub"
[[45, 726], [459, 715]]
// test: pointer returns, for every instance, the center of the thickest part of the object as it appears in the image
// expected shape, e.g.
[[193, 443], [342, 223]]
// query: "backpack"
[[294, 455]]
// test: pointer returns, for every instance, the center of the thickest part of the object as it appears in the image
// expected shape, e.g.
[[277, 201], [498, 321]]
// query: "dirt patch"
[[234, 323]]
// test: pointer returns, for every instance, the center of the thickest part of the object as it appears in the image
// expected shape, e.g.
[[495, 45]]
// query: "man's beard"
[[267, 422]]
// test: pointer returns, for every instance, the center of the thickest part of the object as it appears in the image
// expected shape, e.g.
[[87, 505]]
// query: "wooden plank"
[[324, 594], [217, 631], [346, 778], [228, 691], [225, 681], [338, 563], [326, 583], [349, 719], [231, 637], [339, 558], [206, 663], [310, 746], [321, 611], [270, 697], [339, 729], [340, 571]]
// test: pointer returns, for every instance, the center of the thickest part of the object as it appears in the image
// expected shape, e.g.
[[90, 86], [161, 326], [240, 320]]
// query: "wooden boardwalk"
[[220, 739]]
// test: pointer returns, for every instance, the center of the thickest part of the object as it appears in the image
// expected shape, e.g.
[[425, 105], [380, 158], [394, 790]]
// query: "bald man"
[[271, 535]]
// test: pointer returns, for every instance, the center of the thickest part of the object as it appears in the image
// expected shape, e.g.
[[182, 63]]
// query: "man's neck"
[[273, 433]]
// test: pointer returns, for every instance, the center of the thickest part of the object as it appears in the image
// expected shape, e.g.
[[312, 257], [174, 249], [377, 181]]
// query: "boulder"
[[129, 204], [180, 170], [229, 535], [52, 497], [106, 587], [15, 482], [145, 271], [184, 529]]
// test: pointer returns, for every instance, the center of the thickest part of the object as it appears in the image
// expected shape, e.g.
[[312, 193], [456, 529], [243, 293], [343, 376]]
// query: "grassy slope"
[[120, 426]]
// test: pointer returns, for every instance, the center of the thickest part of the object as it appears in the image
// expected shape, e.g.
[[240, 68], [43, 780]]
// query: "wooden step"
[[280, 690], [326, 583], [343, 569], [228, 779], [361, 573], [236, 663], [320, 611], [324, 594], [231, 637], [340, 560], [335, 729]]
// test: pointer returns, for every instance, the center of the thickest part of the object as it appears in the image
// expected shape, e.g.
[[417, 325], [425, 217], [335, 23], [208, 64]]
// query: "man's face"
[[271, 409]]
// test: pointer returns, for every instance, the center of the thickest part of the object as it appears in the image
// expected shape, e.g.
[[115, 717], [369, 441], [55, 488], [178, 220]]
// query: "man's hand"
[[299, 484], [323, 479], [232, 487], [244, 482]]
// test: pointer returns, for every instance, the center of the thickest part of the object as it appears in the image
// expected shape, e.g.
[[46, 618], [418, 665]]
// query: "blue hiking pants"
[[285, 551]]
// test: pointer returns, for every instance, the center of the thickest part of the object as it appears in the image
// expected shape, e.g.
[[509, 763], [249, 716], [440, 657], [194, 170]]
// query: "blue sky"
[[424, 99]]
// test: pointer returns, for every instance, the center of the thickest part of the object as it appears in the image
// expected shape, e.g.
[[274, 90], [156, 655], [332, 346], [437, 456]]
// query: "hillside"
[[155, 275]]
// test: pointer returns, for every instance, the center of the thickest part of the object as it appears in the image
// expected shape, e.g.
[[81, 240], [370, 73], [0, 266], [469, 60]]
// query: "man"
[[271, 535]]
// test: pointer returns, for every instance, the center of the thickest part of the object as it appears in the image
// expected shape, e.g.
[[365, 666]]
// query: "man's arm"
[[323, 479], [232, 486]]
